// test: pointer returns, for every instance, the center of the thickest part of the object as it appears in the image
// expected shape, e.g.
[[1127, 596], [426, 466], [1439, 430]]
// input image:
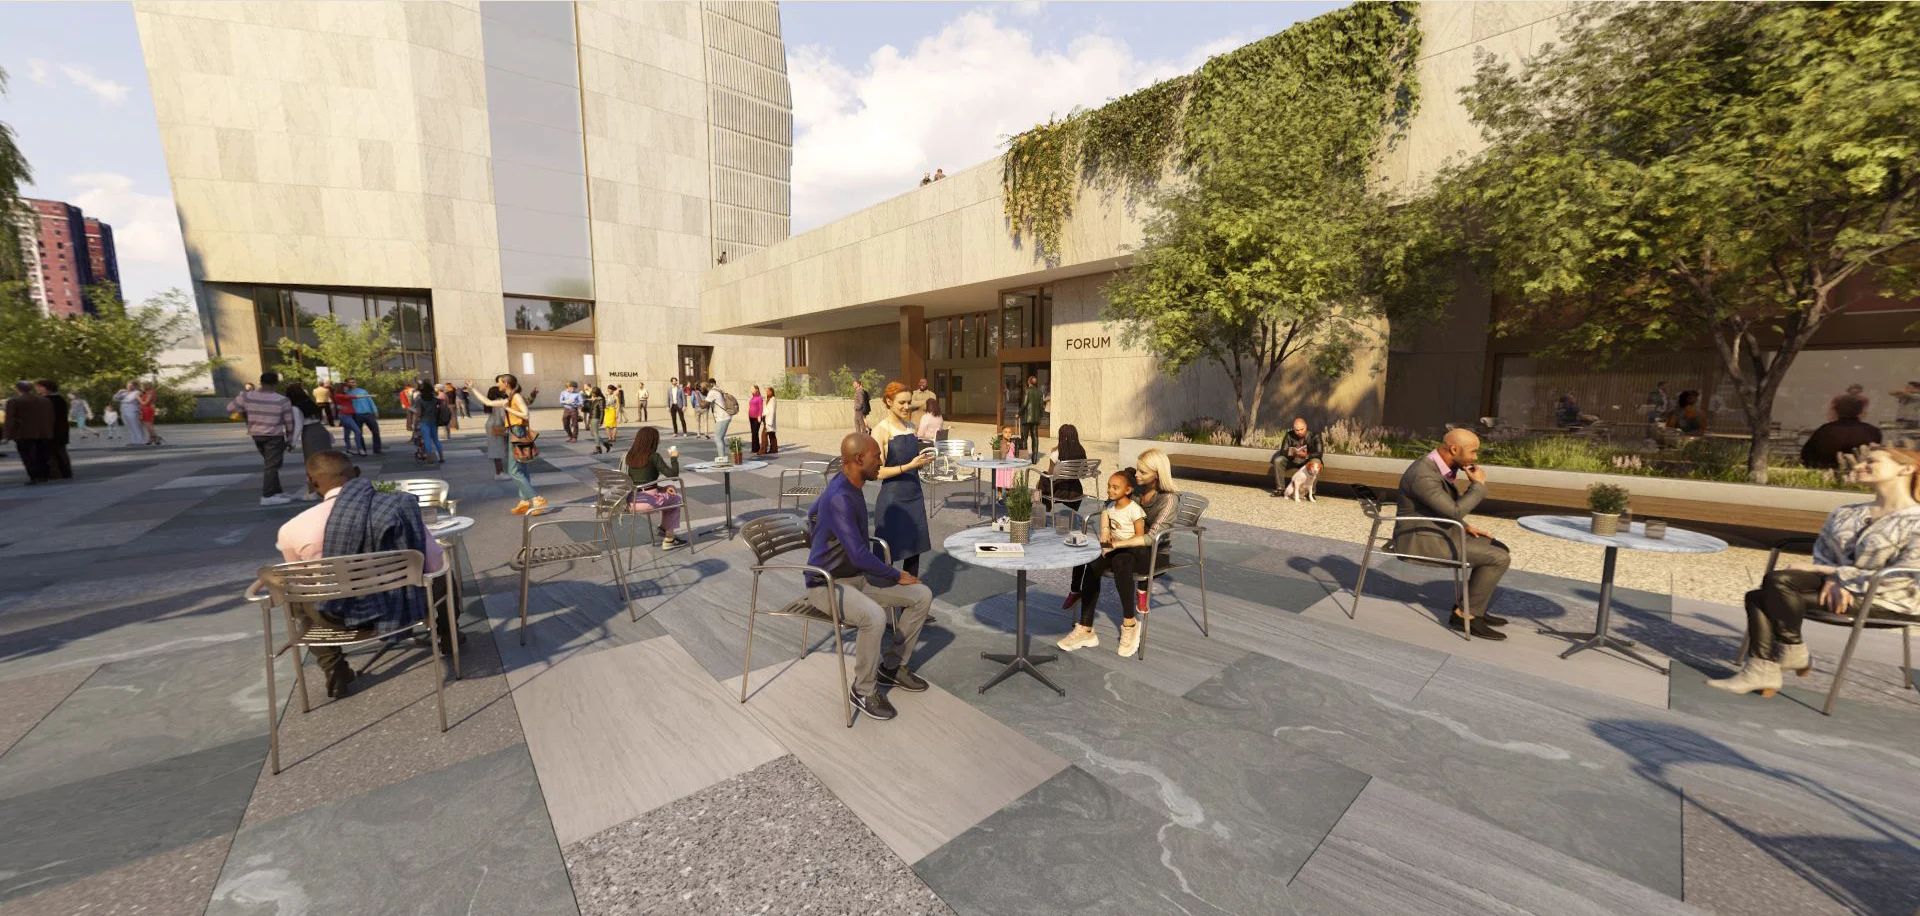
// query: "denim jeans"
[[522, 480], [720, 436], [430, 441], [350, 435], [369, 423]]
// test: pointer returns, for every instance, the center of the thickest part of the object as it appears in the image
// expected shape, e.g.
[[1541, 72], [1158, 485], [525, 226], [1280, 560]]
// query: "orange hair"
[[893, 388]]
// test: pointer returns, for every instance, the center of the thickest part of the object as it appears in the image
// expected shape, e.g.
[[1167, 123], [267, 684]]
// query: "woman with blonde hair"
[[901, 510], [1856, 543], [1157, 496]]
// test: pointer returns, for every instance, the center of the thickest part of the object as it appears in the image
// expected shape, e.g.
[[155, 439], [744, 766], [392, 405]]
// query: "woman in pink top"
[[930, 421], [756, 405]]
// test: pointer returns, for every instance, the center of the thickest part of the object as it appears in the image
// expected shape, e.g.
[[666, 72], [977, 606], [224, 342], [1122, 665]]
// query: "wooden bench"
[[1772, 518]]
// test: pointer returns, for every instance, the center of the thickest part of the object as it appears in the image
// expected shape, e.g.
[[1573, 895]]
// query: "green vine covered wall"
[[1364, 52]]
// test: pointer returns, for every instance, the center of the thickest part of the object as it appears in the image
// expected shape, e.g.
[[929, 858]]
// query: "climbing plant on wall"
[[1365, 51]]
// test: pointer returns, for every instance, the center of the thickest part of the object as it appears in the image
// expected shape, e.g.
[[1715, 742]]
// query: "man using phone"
[[1447, 483], [864, 584]]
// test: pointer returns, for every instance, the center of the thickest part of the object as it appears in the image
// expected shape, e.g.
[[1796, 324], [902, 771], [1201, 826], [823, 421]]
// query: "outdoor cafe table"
[[995, 464], [1044, 550], [450, 531], [1579, 528], [726, 479]]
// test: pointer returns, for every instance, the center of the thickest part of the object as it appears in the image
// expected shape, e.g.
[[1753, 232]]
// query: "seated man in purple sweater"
[[866, 584]]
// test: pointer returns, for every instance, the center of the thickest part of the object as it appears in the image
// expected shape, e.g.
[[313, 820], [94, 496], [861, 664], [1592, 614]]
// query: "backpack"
[[442, 413], [729, 404]]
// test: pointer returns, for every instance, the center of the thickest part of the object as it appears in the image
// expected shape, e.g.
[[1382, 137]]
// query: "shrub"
[[1351, 437], [1020, 502], [842, 381], [1607, 499], [792, 387]]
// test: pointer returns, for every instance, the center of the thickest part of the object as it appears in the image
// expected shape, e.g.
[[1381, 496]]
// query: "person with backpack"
[[425, 416], [724, 407]]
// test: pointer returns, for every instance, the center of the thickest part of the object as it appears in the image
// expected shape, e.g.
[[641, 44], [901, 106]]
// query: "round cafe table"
[[726, 472], [995, 464], [1579, 528], [1044, 550]]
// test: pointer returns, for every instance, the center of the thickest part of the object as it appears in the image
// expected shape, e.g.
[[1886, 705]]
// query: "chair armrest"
[[452, 506], [254, 593], [1797, 544], [886, 553], [793, 567], [1865, 608]]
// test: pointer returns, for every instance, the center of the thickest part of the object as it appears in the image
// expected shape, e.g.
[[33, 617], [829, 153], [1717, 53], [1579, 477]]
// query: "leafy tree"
[[842, 381], [96, 355], [1739, 172], [1278, 246], [14, 172], [364, 352]]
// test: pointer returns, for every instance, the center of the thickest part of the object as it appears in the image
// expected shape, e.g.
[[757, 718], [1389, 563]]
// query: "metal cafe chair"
[[432, 492], [945, 469], [602, 544], [312, 582], [769, 537], [1384, 546], [436, 495], [1079, 470], [613, 502], [1858, 621], [805, 482], [1188, 512]]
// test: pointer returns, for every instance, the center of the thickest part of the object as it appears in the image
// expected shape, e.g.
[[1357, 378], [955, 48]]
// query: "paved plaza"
[[1298, 760]]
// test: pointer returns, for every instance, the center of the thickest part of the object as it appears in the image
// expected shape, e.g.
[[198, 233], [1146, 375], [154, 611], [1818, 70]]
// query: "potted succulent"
[[1019, 512], [1606, 501], [736, 447]]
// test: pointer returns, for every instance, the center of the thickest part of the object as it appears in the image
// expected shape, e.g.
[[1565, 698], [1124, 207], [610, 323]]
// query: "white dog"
[[1304, 481]]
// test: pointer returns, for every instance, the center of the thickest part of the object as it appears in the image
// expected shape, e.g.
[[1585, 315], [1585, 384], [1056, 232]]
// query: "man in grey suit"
[[1433, 487]]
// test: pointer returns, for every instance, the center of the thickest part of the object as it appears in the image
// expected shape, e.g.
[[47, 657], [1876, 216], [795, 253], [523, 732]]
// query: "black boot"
[[340, 679]]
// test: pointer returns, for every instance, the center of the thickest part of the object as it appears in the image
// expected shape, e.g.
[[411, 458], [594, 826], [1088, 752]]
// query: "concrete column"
[[913, 344]]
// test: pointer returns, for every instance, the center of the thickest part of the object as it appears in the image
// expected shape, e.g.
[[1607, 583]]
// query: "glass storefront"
[[977, 363], [289, 312]]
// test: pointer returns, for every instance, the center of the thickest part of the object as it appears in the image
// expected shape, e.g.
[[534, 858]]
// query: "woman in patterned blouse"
[[1856, 542]]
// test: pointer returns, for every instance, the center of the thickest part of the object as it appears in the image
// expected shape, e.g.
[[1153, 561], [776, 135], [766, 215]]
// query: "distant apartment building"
[[64, 252]]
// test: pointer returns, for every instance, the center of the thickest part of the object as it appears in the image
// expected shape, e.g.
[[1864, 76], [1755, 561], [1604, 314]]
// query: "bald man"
[[864, 582], [1299, 447], [1447, 483]]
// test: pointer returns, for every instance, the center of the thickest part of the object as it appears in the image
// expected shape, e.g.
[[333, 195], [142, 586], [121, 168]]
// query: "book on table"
[[1000, 550]]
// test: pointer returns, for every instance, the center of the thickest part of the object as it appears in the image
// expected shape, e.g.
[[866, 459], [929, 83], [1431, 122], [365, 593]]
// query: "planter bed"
[[1741, 504]]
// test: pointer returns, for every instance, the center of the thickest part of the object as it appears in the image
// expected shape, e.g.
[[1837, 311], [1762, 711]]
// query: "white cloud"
[[146, 229], [864, 135], [38, 72], [105, 89]]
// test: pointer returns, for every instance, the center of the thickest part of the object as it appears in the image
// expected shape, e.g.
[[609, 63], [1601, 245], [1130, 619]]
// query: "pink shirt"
[[304, 536], [1445, 470]]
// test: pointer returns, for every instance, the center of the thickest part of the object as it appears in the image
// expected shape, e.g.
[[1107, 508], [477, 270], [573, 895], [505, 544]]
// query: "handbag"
[[521, 438]]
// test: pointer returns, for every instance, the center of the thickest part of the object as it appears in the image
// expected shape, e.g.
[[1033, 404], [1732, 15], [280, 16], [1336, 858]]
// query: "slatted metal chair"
[[432, 492], [1079, 470], [1857, 622], [1189, 510], [945, 470], [436, 495], [1384, 546], [602, 545], [769, 537], [805, 482], [304, 583], [613, 502]]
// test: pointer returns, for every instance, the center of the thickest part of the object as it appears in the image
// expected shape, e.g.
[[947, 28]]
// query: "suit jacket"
[[1424, 491], [61, 431], [29, 416]]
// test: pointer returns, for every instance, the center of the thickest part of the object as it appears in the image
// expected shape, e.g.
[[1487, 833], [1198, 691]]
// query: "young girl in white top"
[[1123, 528]]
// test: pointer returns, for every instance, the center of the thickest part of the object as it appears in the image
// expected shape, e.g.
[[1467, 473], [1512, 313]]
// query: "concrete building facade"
[[930, 284], [521, 186]]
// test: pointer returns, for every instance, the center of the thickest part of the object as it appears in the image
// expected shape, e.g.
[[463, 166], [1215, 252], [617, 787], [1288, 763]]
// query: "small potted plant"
[[736, 446], [386, 486], [1019, 512], [995, 444], [1606, 501]]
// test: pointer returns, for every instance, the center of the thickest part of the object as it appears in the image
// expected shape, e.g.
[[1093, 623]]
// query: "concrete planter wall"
[[1783, 508], [803, 414]]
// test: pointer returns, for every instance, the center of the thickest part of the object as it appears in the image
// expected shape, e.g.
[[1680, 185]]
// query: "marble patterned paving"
[[1295, 760]]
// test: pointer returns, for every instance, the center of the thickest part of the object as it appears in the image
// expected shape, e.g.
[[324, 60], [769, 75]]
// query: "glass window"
[[526, 187], [937, 338], [531, 274], [530, 55], [527, 143], [350, 310], [1043, 322], [513, 95], [543, 233], [308, 306], [553, 20], [991, 332], [526, 313], [969, 337]]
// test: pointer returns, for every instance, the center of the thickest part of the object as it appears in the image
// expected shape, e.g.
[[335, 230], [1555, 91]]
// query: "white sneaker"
[[1129, 639], [278, 499], [500, 476], [1079, 638]]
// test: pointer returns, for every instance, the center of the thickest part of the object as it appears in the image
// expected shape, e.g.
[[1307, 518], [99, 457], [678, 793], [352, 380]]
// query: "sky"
[[883, 91]]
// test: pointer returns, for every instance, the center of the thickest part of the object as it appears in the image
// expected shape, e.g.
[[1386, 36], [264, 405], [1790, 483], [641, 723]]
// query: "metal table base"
[[1600, 638], [1021, 659]]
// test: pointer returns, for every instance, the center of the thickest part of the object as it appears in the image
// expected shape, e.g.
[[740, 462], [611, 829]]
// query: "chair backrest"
[[953, 448], [613, 487], [430, 491], [1795, 544], [1369, 500], [1076, 469], [351, 576], [1189, 509], [772, 535]]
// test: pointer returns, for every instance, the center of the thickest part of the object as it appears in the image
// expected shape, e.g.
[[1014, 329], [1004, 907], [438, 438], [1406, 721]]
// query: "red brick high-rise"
[[65, 252]]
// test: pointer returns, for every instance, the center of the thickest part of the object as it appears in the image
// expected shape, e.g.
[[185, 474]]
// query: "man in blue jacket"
[[866, 584], [365, 412]]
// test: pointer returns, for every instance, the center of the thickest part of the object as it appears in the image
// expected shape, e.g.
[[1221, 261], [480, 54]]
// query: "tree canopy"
[[1738, 172], [96, 354], [364, 352], [14, 172]]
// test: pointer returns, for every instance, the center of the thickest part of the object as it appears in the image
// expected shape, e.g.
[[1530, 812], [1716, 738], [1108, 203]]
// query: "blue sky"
[[883, 91]]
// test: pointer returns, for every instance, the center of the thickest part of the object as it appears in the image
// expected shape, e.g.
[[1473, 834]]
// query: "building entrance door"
[[695, 363], [1013, 390]]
